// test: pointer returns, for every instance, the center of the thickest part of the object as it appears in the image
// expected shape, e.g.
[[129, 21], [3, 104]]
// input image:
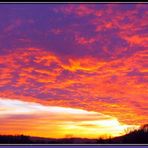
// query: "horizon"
[[73, 120], [73, 69]]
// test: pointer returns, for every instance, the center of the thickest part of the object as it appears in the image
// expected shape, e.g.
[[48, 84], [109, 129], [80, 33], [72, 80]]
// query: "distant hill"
[[139, 136]]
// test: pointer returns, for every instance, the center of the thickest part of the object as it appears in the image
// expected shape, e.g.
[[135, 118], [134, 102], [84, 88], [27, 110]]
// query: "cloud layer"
[[92, 57]]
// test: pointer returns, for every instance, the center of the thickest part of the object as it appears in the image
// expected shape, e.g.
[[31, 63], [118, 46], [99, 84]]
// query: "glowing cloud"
[[19, 114], [71, 62]]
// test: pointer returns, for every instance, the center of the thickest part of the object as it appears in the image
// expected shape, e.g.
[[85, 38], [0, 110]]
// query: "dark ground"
[[139, 136]]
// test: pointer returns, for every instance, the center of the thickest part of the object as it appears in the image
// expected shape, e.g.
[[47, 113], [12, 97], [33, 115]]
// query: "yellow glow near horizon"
[[55, 122]]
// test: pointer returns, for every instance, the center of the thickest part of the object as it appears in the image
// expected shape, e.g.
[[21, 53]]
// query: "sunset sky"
[[73, 69]]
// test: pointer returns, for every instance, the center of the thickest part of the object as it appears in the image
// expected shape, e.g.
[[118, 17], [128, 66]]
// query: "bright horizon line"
[[60, 121]]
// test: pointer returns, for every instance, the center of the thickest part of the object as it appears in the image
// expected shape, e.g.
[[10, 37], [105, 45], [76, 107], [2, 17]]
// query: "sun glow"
[[59, 121]]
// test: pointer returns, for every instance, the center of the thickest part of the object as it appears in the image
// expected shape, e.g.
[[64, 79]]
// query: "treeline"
[[7, 139], [139, 136]]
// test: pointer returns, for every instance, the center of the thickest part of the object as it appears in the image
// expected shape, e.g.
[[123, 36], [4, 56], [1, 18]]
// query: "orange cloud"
[[136, 39], [89, 64], [113, 85], [99, 65]]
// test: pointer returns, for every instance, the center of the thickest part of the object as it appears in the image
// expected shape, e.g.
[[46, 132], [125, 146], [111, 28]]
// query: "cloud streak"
[[53, 121]]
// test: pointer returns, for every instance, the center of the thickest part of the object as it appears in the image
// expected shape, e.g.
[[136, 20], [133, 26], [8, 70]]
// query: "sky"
[[75, 70]]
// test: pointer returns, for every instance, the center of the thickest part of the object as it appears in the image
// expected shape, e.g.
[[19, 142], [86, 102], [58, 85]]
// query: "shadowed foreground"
[[139, 136]]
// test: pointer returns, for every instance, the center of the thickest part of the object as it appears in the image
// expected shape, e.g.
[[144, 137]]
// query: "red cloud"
[[107, 74], [83, 40], [92, 82]]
